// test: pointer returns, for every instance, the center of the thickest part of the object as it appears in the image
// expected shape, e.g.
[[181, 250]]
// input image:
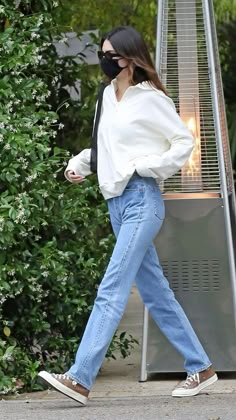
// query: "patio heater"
[[196, 243]]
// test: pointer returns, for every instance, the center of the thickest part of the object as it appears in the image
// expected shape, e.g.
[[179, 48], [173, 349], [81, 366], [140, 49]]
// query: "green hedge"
[[55, 237]]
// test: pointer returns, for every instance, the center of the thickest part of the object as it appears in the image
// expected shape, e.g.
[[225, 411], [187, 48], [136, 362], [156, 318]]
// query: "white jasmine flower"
[[55, 80], [47, 44], [7, 358], [40, 21], [14, 281], [21, 159], [61, 126], [35, 36], [64, 39], [7, 146], [29, 179], [31, 279], [45, 273], [11, 272], [2, 300], [21, 213]]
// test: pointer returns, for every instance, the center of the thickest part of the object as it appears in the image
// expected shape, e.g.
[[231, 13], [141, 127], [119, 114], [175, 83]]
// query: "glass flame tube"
[[188, 79]]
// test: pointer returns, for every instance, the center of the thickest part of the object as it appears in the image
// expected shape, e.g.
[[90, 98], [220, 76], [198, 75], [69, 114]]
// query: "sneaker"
[[66, 385], [195, 383]]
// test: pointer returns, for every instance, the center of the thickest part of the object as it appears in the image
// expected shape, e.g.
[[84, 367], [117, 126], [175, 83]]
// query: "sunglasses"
[[108, 55]]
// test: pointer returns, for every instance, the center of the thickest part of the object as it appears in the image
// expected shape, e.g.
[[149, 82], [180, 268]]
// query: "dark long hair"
[[129, 43]]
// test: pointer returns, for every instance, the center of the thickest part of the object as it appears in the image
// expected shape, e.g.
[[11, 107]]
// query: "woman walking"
[[141, 141]]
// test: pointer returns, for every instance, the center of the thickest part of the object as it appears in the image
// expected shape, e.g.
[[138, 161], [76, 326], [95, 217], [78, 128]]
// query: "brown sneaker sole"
[[182, 392], [58, 386]]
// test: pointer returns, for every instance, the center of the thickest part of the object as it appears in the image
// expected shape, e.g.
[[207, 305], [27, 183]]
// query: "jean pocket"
[[133, 201]]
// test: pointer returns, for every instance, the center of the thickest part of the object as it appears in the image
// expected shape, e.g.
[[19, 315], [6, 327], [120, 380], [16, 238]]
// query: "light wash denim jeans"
[[136, 218]]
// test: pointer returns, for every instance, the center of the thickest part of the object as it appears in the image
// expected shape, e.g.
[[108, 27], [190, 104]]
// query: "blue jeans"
[[136, 217]]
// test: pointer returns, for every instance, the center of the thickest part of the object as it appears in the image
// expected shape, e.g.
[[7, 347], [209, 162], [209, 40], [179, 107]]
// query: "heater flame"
[[192, 125], [193, 166]]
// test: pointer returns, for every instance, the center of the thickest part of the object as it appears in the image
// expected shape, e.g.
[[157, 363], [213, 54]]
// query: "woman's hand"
[[76, 179]]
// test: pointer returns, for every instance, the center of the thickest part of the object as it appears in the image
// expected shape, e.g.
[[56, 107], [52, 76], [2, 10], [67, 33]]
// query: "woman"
[[141, 141]]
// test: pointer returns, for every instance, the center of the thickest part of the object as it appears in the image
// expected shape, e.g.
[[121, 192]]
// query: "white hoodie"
[[141, 132]]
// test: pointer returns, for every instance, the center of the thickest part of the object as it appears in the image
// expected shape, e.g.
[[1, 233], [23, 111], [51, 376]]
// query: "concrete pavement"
[[118, 394], [201, 407]]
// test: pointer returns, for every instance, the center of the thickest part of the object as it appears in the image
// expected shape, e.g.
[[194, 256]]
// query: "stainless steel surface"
[[159, 45], [143, 373], [192, 247], [224, 157]]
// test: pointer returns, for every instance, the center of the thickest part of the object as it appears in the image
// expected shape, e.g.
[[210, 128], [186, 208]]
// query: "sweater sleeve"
[[80, 164], [176, 133]]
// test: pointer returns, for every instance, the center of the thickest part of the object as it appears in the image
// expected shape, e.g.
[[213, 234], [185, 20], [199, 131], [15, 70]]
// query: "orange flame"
[[193, 166]]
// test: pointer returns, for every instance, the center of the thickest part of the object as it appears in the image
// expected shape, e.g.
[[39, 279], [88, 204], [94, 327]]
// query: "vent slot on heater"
[[193, 276], [184, 71]]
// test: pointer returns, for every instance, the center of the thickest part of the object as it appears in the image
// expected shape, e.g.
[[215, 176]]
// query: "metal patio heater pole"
[[196, 243]]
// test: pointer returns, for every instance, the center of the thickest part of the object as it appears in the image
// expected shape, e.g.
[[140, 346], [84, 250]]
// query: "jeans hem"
[[201, 369], [78, 381]]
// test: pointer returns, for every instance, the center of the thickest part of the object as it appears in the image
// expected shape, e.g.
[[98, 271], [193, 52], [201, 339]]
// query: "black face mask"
[[111, 68]]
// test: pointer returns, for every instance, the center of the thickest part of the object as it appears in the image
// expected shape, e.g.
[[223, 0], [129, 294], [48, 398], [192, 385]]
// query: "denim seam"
[[83, 365], [155, 207]]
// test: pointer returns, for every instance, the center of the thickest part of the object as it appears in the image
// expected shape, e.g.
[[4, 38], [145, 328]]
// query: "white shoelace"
[[63, 376], [190, 379]]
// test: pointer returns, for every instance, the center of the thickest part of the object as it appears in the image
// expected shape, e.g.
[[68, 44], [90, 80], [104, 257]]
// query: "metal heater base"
[[192, 248]]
